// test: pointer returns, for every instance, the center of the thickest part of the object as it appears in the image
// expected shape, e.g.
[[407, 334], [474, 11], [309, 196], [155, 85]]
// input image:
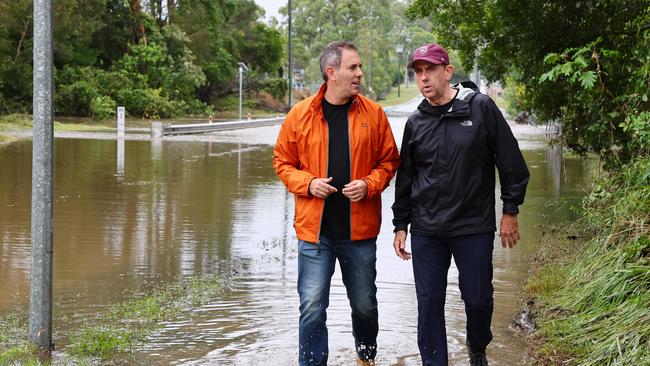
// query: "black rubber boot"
[[477, 358]]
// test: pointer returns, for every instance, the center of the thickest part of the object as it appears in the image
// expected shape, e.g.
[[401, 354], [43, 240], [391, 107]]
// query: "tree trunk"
[[28, 22], [170, 10], [136, 9]]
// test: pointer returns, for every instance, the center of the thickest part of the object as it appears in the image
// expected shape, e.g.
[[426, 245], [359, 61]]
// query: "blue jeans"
[[431, 260], [315, 268]]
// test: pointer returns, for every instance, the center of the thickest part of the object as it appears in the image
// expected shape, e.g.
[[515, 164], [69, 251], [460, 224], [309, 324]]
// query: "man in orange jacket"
[[336, 154]]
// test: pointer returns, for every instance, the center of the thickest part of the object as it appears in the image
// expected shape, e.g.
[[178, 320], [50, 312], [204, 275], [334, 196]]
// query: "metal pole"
[[40, 296], [369, 59], [399, 66], [290, 71], [406, 72], [241, 72]]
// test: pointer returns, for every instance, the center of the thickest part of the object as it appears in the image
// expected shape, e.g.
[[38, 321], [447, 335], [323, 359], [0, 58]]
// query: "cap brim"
[[429, 60]]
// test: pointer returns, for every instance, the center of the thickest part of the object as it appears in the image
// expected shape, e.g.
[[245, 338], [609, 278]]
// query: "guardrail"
[[172, 129]]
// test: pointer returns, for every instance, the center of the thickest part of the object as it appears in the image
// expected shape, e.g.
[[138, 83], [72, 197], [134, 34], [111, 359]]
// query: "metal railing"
[[172, 129]]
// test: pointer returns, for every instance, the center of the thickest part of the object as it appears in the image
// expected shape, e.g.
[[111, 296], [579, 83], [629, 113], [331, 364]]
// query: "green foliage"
[[14, 347], [277, 87], [77, 87], [24, 354], [599, 315], [619, 123], [102, 107], [102, 341], [374, 26], [584, 63], [127, 324], [155, 63], [223, 33]]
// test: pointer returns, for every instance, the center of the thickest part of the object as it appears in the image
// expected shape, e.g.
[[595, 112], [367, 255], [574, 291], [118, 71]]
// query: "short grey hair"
[[331, 55]]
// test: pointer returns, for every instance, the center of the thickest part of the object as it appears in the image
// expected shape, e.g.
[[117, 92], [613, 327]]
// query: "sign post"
[[120, 122]]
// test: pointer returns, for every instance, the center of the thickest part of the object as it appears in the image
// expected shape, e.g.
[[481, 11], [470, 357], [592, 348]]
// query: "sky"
[[271, 7]]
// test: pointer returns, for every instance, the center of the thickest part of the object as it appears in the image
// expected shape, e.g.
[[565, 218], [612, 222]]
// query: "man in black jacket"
[[445, 191]]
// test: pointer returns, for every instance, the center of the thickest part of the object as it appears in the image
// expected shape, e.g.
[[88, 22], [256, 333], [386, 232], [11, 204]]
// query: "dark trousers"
[[431, 260]]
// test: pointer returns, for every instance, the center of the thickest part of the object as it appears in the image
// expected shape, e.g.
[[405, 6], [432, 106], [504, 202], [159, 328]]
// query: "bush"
[[149, 103], [76, 89], [102, 107], [267, 101], [277, 87], [599, 314]]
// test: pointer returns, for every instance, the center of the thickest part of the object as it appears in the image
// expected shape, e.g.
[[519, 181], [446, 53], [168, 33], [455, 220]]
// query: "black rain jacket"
[[446, 179]]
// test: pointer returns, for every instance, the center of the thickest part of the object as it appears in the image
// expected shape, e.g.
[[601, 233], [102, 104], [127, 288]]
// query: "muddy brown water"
[[130, 214]]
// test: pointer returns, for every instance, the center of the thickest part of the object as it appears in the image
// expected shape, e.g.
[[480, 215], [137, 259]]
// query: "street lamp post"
[[406, 69], [399, 48], [290, 66], [371, 21], [242, 68]]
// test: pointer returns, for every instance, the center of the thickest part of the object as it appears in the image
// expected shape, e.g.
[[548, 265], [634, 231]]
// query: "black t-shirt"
[[439, 110], [336, 216]]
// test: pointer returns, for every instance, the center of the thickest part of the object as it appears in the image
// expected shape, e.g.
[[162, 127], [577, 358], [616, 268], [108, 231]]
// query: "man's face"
[[433, 80], [348, 76]]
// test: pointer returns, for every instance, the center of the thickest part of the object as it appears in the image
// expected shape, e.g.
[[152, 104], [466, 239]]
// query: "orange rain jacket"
[[301, 154]]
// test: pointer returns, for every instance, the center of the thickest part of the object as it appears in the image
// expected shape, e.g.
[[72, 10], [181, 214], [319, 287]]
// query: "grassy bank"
[[23, 122], [591, 283], [406, 94], [117, 332], [5, 138]]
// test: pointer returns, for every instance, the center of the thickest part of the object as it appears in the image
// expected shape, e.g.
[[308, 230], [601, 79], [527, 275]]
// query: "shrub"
[[277, 87], [102, 107]]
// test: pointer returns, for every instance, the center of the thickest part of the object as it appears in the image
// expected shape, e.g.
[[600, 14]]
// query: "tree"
[[374, 26], [224, 32], [15, 56], [595, 78], [157, 58]]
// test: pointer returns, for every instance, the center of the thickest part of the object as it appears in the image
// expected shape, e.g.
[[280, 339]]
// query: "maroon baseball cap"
[[433, 53]]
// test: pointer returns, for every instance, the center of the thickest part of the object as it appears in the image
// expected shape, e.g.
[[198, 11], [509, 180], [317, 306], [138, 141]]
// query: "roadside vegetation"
[[118, 331], [156, 60], [22, 122], [591, 288]]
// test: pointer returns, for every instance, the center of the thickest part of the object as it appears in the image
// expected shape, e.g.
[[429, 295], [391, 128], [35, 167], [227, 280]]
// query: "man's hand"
[[399, 244], [319, 187], [509, 230], [355, 190]]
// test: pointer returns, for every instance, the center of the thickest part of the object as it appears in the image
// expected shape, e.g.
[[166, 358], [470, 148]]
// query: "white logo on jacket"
[[466, 123]]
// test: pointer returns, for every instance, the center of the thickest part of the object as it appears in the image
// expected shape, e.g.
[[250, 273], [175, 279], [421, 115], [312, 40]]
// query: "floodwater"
[[130, 214]]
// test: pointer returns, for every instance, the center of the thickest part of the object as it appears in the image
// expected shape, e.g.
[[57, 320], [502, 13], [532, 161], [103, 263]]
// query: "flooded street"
[[131, 214]]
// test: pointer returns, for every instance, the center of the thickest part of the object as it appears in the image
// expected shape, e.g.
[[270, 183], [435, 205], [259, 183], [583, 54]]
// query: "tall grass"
[[106, 337], [600, 313], [129, 323]]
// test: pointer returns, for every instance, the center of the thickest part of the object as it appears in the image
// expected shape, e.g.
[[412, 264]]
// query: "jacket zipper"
[[350, 156], [327, 155]]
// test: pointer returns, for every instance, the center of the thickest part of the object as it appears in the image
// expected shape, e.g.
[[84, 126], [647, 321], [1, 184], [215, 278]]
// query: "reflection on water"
[[131, 213]]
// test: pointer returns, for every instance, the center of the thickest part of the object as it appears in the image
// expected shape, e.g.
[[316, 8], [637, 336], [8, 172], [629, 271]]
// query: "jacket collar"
[[460, 106]]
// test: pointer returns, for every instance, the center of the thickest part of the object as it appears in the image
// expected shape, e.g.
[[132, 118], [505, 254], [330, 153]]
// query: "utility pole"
[[40, 295], [369, 59], [289, 54], [406, 69], [399, 48]]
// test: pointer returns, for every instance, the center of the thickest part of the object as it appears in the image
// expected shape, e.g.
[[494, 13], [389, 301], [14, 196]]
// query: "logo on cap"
[[423, 50]]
